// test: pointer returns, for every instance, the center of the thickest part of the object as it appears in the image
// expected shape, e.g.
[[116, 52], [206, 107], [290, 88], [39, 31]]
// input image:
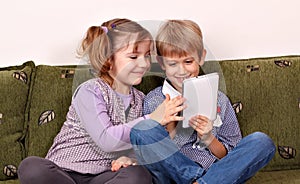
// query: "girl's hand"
[[204, 127], [122, 162], [168, 111]]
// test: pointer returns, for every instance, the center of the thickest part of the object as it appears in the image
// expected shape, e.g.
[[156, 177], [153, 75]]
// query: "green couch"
[[265, 93]]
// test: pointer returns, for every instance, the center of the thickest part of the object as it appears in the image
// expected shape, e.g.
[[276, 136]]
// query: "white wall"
[[49, 32]]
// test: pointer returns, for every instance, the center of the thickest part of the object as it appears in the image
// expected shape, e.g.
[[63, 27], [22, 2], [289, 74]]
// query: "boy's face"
[[179, 68]]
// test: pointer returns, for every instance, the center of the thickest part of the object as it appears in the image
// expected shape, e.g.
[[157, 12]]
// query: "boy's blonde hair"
[[179, 38], [102, 42]]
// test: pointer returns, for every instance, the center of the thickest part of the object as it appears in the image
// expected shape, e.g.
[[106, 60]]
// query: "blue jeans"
[[160, 155]]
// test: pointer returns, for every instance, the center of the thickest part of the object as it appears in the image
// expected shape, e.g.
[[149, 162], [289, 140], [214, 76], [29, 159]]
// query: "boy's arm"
[[152, 100], [228, 134]]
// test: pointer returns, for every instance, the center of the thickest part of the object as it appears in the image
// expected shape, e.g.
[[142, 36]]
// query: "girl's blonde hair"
[[101, 42], [179, 38]]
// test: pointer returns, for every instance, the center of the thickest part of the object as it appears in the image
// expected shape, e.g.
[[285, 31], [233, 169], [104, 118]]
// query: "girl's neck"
[[121, 88]]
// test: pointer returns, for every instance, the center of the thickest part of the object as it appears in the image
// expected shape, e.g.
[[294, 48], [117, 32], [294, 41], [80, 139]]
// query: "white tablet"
[[201, 97]]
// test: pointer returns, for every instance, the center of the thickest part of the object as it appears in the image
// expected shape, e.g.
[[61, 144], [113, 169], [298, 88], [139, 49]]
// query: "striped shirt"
[[228, 133]]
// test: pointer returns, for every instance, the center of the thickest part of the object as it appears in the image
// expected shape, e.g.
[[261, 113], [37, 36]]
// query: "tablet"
[[201, 97]]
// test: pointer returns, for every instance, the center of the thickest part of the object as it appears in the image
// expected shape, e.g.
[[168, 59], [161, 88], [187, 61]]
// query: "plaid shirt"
[[228, 133], [75, 149]]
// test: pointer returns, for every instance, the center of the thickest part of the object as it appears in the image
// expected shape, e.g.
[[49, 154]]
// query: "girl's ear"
[[202, 57], [161, 62], [110, 63]]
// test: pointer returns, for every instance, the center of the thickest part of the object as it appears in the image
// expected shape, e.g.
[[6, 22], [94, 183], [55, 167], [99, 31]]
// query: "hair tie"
[[104, 28]]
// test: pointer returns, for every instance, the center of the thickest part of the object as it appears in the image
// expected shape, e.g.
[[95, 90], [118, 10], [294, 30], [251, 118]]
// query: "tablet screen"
[[201, 97]]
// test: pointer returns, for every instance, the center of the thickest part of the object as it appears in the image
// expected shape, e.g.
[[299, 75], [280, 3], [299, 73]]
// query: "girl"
[[93, 145], [203, 153]]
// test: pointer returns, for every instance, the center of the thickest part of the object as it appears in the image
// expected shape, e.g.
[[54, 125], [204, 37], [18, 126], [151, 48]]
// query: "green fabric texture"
[[15, 87], [15, 181], [51, 98], [276, 177], [150, 82], [269, 94], [266, 90]]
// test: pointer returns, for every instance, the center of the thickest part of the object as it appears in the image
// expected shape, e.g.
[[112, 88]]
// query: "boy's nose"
[[181, 69]]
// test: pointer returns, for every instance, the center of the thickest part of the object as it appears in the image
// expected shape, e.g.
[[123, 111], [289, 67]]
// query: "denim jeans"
[[160, 155]]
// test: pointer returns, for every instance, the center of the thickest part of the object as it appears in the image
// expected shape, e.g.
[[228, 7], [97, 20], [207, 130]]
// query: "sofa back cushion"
[[265, 93], [14, 92], [51, 98]]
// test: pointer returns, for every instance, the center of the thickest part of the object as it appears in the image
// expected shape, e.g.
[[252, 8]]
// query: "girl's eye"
[[133, 57]]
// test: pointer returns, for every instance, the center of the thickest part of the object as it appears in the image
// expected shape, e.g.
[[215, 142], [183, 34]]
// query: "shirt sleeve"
[[229, 133], [152, 100], [91, 109]]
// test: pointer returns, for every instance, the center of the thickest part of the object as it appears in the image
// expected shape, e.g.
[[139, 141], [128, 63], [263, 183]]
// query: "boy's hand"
[[204, 127], [122, 162], [168, 110]]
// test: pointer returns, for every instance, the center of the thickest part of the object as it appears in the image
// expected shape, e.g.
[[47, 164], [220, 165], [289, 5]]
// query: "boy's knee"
[[146, 124], [142, 127], [263, 139]]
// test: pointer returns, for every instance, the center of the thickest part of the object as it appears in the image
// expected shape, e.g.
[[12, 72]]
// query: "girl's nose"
[[143, 62]]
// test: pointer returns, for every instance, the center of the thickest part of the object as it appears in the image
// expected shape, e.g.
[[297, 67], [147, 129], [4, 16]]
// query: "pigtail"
[[92, 33]]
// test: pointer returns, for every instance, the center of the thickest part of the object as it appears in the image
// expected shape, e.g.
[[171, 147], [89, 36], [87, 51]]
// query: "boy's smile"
[[178, 68]]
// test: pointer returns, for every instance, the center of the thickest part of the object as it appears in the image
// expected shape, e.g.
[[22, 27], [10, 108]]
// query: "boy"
[[203, 153]]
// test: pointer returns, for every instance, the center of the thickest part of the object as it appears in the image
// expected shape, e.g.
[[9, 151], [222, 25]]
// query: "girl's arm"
[[92, 111]]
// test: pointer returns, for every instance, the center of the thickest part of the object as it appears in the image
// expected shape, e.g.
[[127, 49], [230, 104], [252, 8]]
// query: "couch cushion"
[[265, 93], [276, 177], [51, 98], [14, 91]]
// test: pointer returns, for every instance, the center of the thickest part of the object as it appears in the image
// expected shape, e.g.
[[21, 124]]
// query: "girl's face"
[[129, 65], [179, 68]]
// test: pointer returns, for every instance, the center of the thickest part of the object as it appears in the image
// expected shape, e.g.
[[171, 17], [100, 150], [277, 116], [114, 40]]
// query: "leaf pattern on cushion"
[[287, 152], [283, 63], [46, 117], [22, 76], [238, 106], [10, 170]]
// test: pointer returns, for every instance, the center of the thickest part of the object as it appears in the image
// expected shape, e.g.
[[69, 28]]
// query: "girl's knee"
[[29, 163], [139, 174], [29, 168]]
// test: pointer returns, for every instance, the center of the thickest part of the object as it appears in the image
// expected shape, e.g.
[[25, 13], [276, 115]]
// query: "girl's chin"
[[137, 81]]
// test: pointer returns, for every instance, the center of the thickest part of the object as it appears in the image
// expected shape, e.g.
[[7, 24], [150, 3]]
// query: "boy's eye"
[[172, 64], [189, 61]]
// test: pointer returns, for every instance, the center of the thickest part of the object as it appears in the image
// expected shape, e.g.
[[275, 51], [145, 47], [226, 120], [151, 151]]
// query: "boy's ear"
[[160, 61], [202, 57]]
